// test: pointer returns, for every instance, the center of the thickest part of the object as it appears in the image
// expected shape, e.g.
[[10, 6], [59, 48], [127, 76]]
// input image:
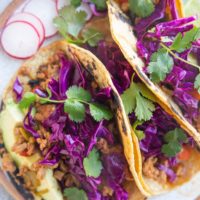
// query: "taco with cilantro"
[[63, 129], [162, 49]]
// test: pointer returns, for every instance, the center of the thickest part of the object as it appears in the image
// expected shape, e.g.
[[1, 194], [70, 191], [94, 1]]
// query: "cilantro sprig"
[[74, 193], [142, 8], [139, 99], [173, 141], [140, 134], [161, 64], [70, 23], [75, 104], [92, 164], [197, 83]]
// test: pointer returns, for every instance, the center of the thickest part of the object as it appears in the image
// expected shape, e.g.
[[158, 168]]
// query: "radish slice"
[[45, 10], [33, 20], [20, 39], [85, 7], [61, 3]]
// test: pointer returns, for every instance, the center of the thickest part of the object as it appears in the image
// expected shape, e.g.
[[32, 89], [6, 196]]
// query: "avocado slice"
[[10, 117]]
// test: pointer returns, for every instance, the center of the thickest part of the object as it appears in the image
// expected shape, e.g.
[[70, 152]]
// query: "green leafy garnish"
[[76, 3], [173, 139], [74, 193], [80, 93], [100, 4], [182, 43], [92, 164], [140, 134], [28, 99], [70, 22], [197, 83], [74, 105], [75, 109], [92, 36], [161, 64], [137, 98], [142, 8], [99, 112]]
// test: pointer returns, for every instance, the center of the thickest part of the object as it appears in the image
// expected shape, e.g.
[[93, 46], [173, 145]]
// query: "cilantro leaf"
[[171, 149], [161, 64], [92, 36], [76, 3], [142, 8], [197, 83], [173, 139], [92, 164], [100, 112], [70, 21], [74, 193], [27, 100], [176, 134], [100, 4], [144, 108], [129, 98], [75, 110], [181, 43], [134, 100], [140, 134], [75, 92]]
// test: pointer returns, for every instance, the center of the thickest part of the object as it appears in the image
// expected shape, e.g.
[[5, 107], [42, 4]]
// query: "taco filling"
[[169, 47], [168, 153], [68, 121]]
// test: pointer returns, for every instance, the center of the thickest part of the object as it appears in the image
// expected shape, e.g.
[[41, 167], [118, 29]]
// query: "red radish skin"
[[20, 40], [32, 19], [45, 10]]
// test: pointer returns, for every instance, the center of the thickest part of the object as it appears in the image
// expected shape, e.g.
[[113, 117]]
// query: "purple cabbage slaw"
[[160, 123], [181, 79], [76, 140]]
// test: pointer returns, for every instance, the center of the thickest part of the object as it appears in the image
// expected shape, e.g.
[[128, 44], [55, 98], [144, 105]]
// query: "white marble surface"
[[8, 67]]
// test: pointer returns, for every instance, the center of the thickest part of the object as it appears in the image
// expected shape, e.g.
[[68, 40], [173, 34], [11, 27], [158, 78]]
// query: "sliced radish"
[[21, 7], [85, 7], [61, 3], [33, 20], [45, 10], [20, 39]]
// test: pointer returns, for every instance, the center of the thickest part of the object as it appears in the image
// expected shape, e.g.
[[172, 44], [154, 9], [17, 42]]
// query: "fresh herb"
[[74, 193], [182, 43], [197, 83], [161, 64], [99, 112], [28, 99], [92, 36], [140, 134], [142, 8], [70, 22], [92, 164], [76, 3], [137, 98], [74, 105], [100, 4], [173, 141]]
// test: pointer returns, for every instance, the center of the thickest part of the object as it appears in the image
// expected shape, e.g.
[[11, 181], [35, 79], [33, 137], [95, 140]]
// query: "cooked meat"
[[102, 145], [7, 163], [107, 191], [150, 170]]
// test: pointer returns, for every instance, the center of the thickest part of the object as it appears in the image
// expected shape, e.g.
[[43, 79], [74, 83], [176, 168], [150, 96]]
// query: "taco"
[[59, 123], [164, 54], [165, 156]]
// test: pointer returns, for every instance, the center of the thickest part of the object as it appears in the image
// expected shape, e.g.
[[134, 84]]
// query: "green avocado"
[[11, 117]]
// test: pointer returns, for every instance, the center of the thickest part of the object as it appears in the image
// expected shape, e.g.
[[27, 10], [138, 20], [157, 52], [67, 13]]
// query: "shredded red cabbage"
[[18, 89]]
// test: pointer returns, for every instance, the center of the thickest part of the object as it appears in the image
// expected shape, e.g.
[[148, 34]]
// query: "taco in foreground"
[[59, 123], [162, 53], [165, 156]]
